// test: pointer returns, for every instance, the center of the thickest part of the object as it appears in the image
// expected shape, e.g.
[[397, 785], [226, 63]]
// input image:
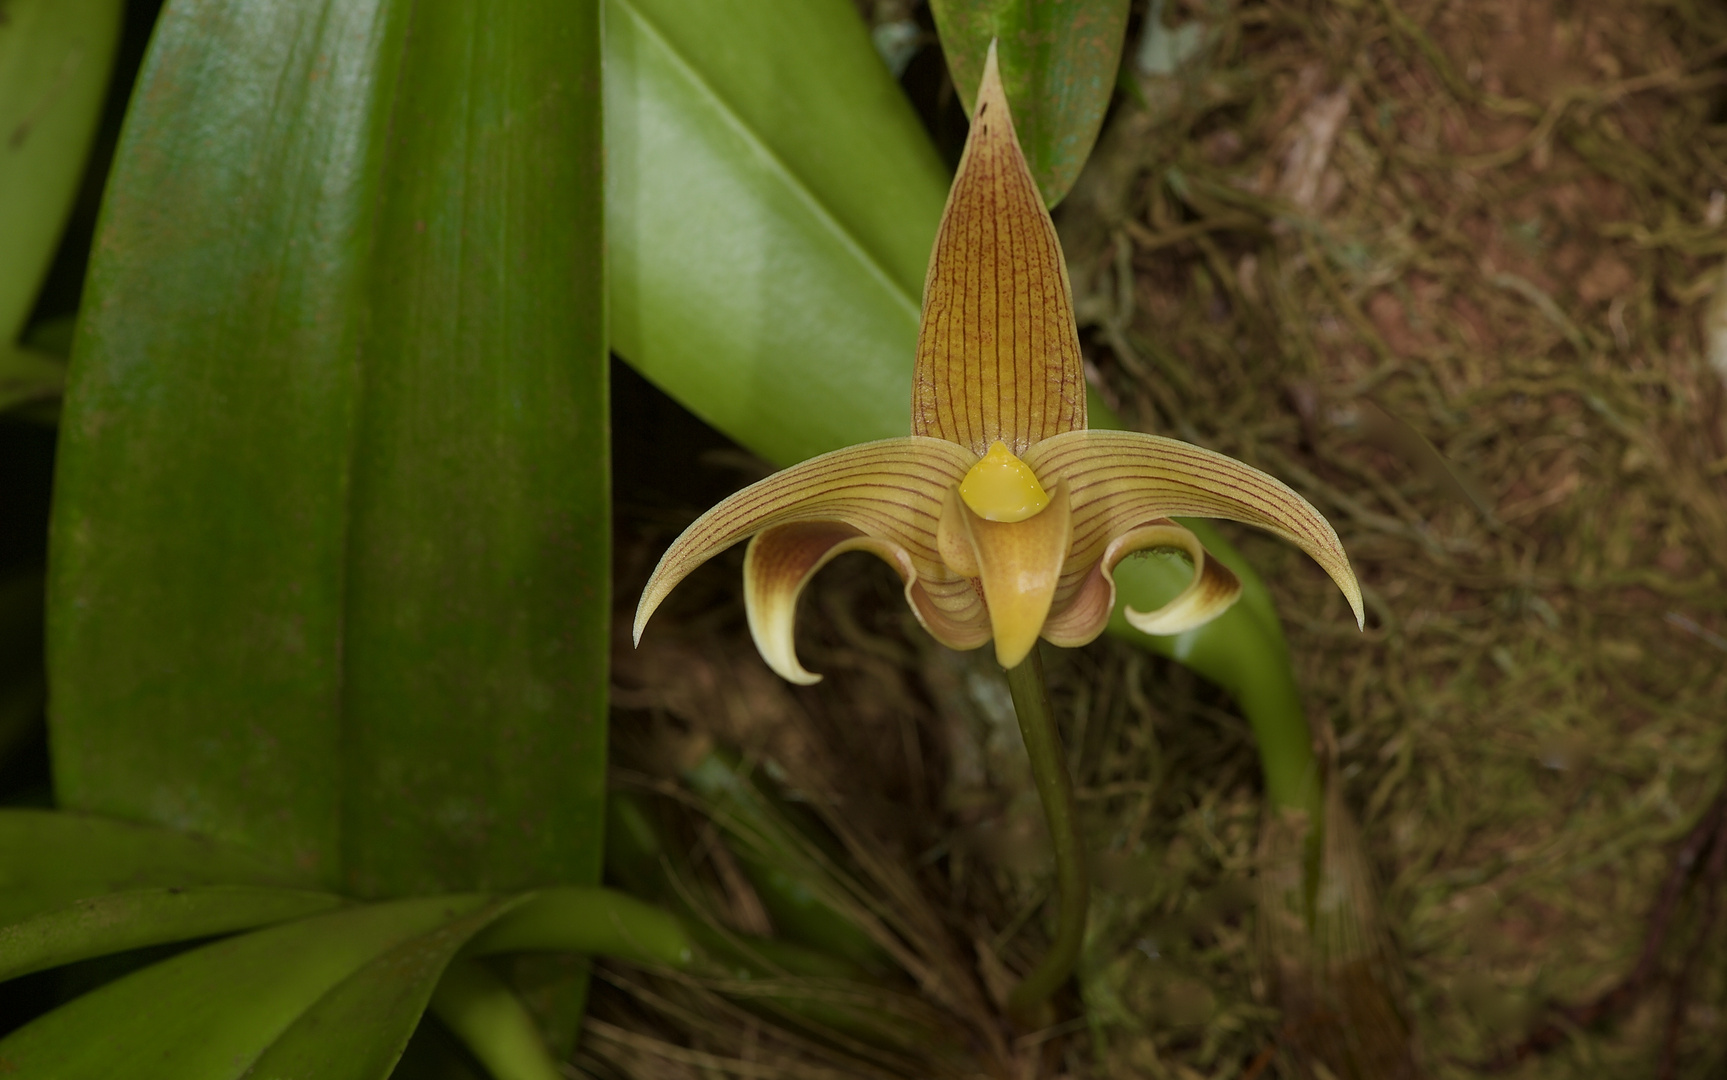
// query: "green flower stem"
[[1055, 788]]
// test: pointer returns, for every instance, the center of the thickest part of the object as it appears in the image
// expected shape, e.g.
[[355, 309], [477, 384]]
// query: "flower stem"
[[1055, 788]]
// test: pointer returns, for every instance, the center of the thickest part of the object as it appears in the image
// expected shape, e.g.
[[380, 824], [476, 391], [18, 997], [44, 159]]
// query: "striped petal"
[[1120, 479], [1086, 597], [892, 491], [998, 350], [783, 559], [1017, 563]]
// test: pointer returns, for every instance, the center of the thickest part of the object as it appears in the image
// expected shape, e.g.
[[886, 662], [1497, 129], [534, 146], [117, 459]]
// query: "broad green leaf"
[[211, 1013], [330, 542], [771, 204], [738, 290], [358, 1030], [116, 922], [359, 1026], [803, 84], [55, 59], [1058, 64], [49, 859]]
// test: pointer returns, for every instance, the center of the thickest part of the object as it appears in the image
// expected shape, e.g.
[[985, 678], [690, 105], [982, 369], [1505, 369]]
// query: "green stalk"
[[1055, 788]]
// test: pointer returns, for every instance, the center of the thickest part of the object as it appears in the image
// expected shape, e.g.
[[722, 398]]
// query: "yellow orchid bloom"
[[1003, 514]]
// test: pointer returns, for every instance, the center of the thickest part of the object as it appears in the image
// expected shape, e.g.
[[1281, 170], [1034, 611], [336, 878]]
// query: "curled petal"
[[781, 560], [1120, 478], [1084, 612], [891, 490], [998, 350], [1019, 564], [1212, 591], [951, 609]]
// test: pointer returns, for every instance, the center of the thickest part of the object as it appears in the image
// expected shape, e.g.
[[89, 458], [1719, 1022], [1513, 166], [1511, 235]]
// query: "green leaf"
[[588, 920], [1058, 65], [326, 1020], [212, 1012], [484, 1014], [116, 922], [49, 859], [330, 540], [358, 1030], [771, 204], [55, 59]]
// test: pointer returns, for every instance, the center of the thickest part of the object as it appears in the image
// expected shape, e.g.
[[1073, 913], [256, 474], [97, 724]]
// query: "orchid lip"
[[1001, 487]]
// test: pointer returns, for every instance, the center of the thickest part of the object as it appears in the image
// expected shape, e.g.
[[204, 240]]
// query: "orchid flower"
[[1004, 516]]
